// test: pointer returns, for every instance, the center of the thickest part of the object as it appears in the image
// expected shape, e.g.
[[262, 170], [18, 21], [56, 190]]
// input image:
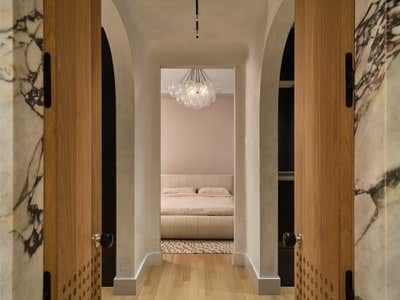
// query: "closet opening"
[[197, 160], [286, 162], [109, 200]]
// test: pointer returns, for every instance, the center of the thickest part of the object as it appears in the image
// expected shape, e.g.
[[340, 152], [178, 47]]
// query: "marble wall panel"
[[21, 153], [377, 150]]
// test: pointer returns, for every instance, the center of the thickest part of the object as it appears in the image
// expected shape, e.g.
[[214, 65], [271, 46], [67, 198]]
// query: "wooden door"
[[72, 140], [324, 148]]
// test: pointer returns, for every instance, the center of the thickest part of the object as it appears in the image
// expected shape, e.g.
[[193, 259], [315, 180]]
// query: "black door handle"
[[105, 240], [349, 79], [47, 79], [290, 239]]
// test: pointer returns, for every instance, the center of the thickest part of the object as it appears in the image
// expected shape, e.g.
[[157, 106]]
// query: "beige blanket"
[[197, 206]]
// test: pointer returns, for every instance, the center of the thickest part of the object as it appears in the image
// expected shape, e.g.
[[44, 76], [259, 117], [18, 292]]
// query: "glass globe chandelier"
[[195, 90]]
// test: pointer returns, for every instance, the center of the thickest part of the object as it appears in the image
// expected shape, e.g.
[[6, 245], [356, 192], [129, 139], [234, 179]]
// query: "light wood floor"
[[197, 277]]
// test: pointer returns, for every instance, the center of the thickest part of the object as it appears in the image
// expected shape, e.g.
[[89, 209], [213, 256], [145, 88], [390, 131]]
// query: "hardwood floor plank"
[[198, 277]]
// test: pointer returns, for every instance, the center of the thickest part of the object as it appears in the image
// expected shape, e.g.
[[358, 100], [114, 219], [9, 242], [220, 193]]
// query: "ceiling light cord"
[[197, 19]]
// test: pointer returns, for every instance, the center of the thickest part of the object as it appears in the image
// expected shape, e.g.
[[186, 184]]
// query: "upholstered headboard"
[[197, 181]]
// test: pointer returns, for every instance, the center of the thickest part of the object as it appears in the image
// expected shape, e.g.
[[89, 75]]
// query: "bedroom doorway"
[[197, 160]]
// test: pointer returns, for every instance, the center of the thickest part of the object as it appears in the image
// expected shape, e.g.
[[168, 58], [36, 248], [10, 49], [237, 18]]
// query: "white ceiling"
[[223, 79], [229, 20]]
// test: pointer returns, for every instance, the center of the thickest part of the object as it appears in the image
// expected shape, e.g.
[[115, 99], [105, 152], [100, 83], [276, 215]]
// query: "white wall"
[[197, 141], [147, 157], [252, 158]]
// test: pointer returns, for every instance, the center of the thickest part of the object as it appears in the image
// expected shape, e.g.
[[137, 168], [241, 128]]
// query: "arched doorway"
[[275, 42]]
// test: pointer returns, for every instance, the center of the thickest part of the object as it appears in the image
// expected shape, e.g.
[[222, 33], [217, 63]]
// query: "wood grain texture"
[[96, 150], [324, 148], [72, 148], [197, 277]]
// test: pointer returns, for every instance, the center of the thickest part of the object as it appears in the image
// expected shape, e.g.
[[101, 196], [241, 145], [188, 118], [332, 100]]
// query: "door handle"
[[349, 79], [47, 79], [105, 240], [290, 239]]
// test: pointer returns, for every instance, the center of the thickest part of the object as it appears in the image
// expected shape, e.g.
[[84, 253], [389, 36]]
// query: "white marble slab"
[[377, 150], [21, 155]]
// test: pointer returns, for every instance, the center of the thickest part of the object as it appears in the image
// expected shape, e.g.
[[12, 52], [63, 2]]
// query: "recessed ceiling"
[[223, 79]]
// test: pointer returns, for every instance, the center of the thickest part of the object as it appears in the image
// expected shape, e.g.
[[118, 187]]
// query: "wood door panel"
[[324, 148], [73, 148]]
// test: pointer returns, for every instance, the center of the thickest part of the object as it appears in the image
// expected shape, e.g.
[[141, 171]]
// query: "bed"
[[195, 216]]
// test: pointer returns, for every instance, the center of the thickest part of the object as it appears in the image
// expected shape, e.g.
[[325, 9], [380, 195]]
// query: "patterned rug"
[[197, 246]]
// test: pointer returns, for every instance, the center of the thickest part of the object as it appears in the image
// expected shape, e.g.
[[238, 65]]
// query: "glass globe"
[[195, 90]]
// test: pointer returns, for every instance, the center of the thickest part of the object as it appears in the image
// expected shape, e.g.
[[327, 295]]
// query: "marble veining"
[[377, 144], [27, 38], [30, 27], [391, 179], [34, 239], [21, 156], [377, 42]]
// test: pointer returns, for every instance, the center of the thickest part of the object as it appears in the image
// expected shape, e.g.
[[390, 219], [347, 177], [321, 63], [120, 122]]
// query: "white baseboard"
[[270, 285], [238, 259], [124, 286]]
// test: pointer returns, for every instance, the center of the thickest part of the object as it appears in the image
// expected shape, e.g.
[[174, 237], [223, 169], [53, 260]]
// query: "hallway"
[[195, 277]]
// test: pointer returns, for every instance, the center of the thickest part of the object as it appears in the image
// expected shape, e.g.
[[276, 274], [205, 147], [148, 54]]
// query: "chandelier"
[[195, 90]]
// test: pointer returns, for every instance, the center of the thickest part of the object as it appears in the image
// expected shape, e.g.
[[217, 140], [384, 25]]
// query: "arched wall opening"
[[269, 93], [124, 121]]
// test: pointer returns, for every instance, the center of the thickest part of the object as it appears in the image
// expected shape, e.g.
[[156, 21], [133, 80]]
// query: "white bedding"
[[197, 206]]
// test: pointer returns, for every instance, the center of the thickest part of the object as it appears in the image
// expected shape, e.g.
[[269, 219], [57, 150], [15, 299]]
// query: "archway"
[[124, 91], [269, 92]]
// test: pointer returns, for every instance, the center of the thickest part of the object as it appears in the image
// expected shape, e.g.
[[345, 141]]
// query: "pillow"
[[180, 191], [214, 192]]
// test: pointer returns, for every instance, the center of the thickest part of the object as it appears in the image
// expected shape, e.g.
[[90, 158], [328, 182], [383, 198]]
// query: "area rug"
[[196, 246]]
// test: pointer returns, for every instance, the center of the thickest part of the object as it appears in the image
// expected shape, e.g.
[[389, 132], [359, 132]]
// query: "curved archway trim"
[[269, 92]]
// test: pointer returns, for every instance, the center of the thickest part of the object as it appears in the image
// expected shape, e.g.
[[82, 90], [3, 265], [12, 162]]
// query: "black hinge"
[[47, 79], [349, 79], [46, 286], [349, 286]]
